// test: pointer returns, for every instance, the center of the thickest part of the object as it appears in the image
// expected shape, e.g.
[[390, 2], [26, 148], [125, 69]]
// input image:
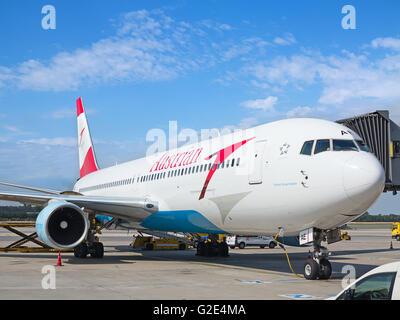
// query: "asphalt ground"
[[250, 273]]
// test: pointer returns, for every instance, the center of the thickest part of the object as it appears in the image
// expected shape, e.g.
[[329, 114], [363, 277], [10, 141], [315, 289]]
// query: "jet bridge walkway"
[[382, 135]]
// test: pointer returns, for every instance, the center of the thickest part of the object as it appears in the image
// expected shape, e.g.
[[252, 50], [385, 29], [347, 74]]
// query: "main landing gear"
[[92, 245], [318, 266], [212, 247]]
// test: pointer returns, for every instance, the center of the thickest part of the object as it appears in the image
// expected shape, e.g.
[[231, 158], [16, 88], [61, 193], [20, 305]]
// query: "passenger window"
[[237, 162], [233, 162], [322, 145], [307, 148], [378, 286], [344, 145]]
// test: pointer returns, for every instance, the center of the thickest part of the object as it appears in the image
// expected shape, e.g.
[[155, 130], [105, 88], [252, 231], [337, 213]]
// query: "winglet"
[[87, 158]]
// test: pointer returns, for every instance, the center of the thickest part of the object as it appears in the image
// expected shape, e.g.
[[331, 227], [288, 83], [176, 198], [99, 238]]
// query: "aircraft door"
[[256, 162]]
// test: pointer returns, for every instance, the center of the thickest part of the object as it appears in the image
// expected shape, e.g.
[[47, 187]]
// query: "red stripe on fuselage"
[[221, 156], [89, 165]]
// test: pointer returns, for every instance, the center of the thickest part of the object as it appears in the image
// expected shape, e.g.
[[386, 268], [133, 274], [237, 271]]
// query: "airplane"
[[298, 180]]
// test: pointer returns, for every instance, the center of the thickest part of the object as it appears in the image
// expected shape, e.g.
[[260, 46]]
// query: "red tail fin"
[[87, 158]]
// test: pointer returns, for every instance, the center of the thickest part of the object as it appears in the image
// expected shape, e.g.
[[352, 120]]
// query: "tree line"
[[366, 217], [19, 213]]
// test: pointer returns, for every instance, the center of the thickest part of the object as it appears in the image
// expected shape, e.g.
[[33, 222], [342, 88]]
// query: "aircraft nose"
[[363, 178]]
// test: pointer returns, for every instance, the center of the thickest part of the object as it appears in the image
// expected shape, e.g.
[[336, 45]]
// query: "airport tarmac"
[[251, 273]]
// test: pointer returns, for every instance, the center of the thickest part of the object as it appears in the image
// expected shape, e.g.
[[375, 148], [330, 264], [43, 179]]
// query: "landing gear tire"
[[325, 269], [81, 251], [311, 269], [223, 249], [212, 249], [201, 249], [97, 250], [209, 250]]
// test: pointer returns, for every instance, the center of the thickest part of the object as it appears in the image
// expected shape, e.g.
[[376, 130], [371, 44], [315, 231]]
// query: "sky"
[[205, 64]]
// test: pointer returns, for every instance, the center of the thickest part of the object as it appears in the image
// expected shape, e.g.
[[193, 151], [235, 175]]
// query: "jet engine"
[[62, 225]]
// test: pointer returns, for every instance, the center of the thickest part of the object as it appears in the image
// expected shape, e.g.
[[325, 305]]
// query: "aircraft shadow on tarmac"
[[264, 260], [267, 259]]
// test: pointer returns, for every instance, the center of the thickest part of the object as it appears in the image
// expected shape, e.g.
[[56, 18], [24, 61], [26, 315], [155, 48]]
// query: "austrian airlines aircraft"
[[299, 179]]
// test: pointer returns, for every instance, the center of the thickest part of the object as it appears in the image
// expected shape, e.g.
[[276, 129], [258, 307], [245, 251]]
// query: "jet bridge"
[[382, 135]]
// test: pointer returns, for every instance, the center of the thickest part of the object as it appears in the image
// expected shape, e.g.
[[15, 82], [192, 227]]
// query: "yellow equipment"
[[150, 243], [396, 230], [344, 235]]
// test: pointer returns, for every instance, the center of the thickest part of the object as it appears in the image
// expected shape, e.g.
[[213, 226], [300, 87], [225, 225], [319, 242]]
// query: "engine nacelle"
[[62, 225]]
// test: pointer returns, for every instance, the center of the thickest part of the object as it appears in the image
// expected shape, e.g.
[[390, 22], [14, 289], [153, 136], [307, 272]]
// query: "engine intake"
[[62, 225]]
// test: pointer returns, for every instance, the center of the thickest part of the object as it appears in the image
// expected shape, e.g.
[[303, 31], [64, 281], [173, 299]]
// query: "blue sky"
[[205, 64]]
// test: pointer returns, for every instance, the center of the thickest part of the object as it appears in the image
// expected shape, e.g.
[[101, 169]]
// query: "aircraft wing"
[[134, 209], [30, 188]]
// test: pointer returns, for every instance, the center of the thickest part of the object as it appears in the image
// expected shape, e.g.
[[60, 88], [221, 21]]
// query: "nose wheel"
[[318, 266], [314, 270]]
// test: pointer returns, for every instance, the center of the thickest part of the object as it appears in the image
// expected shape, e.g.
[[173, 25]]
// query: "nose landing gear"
[[318, 266]]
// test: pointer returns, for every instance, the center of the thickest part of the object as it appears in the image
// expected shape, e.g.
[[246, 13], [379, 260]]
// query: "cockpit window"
[[322, 145], [363, 146], [344, 145], [307, 148]]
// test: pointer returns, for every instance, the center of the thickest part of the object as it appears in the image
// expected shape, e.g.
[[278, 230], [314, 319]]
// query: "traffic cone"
[[391, 245], [59, 264], [309, 254]]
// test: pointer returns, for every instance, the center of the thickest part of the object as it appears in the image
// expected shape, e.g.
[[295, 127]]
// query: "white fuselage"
[[271, 185]]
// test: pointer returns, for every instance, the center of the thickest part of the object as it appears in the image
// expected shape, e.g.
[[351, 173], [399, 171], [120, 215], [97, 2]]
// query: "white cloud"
[[248, 122], [287, 40], [65, 142], [388, 43], [67, 113], [262, 104], [299, 112], [147, 46], [14, 131], [340, 78], [283, 70]]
